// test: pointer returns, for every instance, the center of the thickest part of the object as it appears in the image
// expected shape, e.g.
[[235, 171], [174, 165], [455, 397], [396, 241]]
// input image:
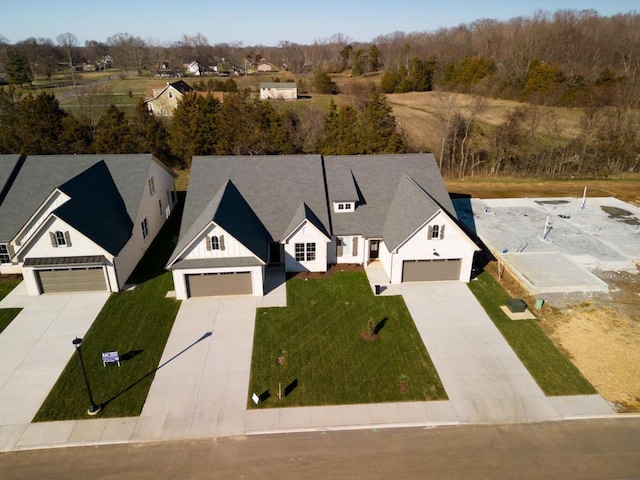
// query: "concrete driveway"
[[483, 377], [36, 346]]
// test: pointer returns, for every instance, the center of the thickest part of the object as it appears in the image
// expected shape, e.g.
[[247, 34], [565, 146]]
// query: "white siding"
[[232, 247], [278, 93], [40, 246], [347, 249], [136, 247], [306, 233], [53, 202], [455, 244]]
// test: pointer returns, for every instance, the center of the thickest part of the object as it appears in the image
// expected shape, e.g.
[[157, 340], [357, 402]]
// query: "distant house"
[[164, 100], [80, 222], [301, 213], [194, 68], [278, 91], [264, 68]]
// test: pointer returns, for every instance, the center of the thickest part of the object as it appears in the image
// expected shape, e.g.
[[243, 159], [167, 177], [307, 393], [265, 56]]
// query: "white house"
[[306, 212], [82, 222], [278, 91]]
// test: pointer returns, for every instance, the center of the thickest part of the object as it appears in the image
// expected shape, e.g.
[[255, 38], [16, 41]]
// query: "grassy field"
[[326, 359], [137, 324], [553, 372], [8, 283]]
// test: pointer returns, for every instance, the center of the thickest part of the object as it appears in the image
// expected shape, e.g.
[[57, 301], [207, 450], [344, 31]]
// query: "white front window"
[[4, 253], [305, 252]]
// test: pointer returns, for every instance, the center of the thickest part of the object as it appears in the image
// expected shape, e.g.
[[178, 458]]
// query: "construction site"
[[577, 260]]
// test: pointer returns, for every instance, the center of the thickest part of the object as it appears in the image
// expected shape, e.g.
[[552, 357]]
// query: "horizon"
[[358, 21]]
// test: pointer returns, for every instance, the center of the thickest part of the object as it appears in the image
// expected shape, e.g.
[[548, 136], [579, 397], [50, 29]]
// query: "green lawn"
[[553, 372], [327, 362], [8, 314], [137, 324]]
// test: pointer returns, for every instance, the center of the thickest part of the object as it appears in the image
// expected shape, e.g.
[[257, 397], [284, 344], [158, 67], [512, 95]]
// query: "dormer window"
[[340, 207], [60, 239]]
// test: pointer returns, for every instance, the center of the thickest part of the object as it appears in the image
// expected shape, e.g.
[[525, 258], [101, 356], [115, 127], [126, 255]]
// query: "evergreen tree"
[[18, 69], [151, 133], [113, 133], [379, 129], [40, 125]]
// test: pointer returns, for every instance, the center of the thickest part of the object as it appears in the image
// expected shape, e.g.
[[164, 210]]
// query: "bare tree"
[[68, 41]]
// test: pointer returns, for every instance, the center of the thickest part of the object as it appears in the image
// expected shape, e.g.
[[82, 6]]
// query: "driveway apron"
[[483, 377]]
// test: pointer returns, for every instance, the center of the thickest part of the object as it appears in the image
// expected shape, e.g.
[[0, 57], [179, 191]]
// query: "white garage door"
[[83, 279], [212, 284], [431, 270]]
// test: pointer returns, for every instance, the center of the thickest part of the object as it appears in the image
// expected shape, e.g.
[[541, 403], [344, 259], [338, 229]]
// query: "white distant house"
[[245, 214], [194, 68], [81, 222], [264, 68], [278, 91]]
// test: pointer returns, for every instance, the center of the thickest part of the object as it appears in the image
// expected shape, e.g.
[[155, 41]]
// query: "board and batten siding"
[[232, 247], [306, 233], [420, 246], [54, 201]]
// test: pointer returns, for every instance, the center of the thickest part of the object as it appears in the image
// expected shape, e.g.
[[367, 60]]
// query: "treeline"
[[565, 58], [201, 125]]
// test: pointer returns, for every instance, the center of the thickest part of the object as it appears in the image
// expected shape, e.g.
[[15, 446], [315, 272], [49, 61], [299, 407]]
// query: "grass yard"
[[137, 324], [327, 361], [553, 372], [8, 283]]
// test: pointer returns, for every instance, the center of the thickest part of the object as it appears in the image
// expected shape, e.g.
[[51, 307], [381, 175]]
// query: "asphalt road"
[[594, 449]]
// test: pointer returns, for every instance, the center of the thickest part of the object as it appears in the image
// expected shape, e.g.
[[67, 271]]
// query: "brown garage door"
[[211, 284], [431, 270], [84, 279]]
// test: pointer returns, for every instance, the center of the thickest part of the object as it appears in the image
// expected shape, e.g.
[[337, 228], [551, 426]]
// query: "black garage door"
[[431, 270], [211, 284], [84, 279]]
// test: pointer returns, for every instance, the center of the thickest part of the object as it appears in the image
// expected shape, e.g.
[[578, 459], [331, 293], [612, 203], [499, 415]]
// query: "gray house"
[[82, 222], [304, 213]]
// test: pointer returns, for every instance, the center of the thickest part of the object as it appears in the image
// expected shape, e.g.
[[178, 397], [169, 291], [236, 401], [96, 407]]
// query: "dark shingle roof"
[[410, 208], [305, 213], [42, 174], [273, 187], [376, 179], [9, 166], [96, 208], [395, 194]]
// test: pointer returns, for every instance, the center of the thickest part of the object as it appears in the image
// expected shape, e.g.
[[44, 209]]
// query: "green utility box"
[[515, 305]]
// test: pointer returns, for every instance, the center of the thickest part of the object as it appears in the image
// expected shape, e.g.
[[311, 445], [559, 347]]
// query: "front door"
[[374, 247], [275, 257]]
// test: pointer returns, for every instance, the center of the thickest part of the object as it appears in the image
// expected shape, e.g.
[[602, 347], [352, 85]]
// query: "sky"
[[252, 22]]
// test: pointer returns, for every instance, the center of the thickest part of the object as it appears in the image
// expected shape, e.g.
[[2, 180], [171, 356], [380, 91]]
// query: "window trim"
[[152, 186], [215, 242]]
